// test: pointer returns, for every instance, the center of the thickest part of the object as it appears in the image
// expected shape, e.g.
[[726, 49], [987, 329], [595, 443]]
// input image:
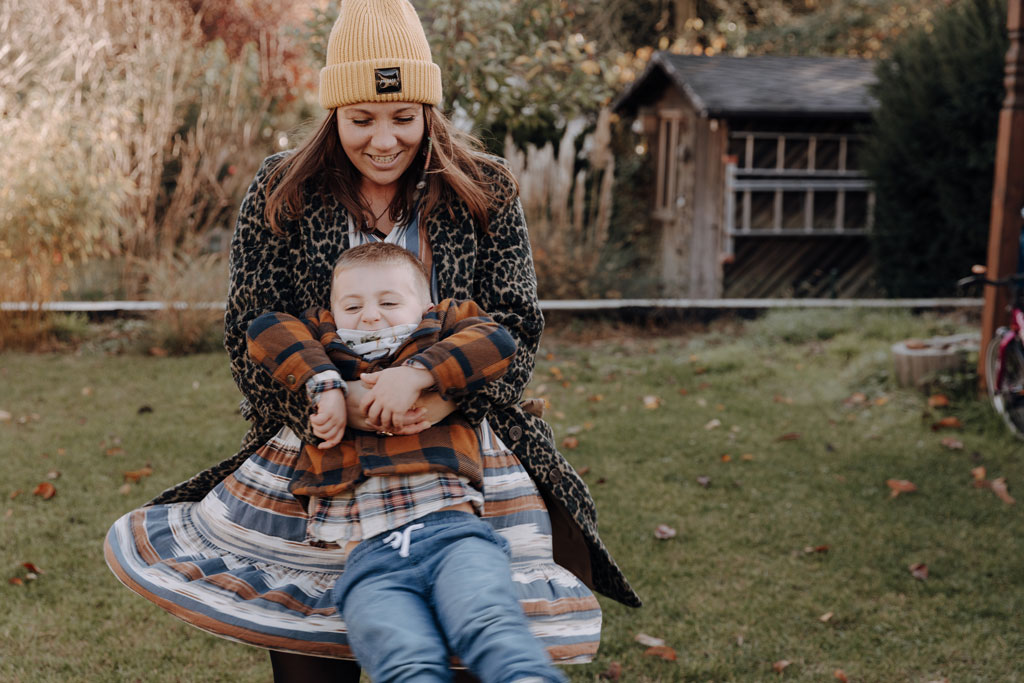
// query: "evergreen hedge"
[[931, 150]]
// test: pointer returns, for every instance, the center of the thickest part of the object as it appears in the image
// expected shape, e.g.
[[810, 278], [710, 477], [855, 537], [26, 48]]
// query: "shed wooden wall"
[[801, 267], [688, 199], [708, 201]]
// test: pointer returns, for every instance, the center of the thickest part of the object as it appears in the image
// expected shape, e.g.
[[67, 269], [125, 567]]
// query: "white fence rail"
[[546, 304]]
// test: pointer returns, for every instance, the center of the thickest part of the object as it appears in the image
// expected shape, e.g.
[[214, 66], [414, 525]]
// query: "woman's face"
[[381, 139]]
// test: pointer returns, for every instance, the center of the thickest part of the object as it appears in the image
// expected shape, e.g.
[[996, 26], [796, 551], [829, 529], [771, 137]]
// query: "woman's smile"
[[381, 138]]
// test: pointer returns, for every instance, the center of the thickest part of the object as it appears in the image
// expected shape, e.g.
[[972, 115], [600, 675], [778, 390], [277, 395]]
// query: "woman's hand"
[[429, 410], [393, 394]]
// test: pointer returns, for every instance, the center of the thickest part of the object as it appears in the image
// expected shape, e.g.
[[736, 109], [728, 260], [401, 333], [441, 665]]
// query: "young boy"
[[425, 577]]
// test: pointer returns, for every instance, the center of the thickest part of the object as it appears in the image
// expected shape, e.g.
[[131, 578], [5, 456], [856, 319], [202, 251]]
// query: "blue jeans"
[[438, 586]]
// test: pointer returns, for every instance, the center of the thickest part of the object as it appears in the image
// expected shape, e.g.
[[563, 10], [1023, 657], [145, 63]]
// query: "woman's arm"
[[260, 281], [505, 285]]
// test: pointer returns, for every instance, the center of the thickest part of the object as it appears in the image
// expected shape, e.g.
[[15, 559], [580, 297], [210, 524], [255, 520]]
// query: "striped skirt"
[[235, 564]]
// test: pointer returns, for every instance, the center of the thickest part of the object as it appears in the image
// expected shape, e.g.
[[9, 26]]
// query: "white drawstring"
[[399, 540]]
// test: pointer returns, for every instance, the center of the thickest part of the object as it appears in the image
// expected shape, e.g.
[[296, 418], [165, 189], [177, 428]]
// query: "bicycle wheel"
[[1008, 396]]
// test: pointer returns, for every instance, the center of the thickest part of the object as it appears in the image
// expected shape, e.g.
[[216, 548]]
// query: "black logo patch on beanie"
[[388, 80]]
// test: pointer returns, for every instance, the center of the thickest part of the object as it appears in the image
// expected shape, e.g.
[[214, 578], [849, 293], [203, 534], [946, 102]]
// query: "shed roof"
[[722, 87]]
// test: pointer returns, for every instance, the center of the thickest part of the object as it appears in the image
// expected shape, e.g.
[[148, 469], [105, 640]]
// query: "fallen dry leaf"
[[595, 398], [16, 580], [652, 402], [856, 399], [978, 473], [556, 372], [683, 392], [704, 385], [826, 617], [135, 476], [713, 424], [45, 490], [31, 567], [747, 457], [53, 474], [86, 391], [570, 442], [952, 443], [779, 398], [664, 532], [158, 351], [663, 651], [898, 486], [998, 487], [5, 416], [116, 450], [726, 457], [919, 570], [648, 641], [780, 666], [125, 489], [948, 422], [789, 436], [583, 470], [612, 673], [817, 549], [881, 400], [704, 481], [938, 401], [15, 493], [840, 675]]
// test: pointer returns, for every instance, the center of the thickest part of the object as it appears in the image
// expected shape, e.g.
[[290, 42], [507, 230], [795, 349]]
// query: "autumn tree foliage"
[[931, 148]]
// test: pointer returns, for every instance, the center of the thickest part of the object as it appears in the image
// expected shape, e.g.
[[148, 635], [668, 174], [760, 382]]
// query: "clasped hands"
[[387, 401]]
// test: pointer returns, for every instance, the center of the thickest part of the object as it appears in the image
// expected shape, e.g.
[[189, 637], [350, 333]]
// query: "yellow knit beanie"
[[377, 52]]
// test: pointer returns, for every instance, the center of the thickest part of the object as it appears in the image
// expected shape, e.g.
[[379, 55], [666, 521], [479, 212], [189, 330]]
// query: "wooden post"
[[1008, 189]]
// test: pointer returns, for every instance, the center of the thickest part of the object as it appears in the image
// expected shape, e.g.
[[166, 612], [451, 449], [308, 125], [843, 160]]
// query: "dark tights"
[[293, 668]]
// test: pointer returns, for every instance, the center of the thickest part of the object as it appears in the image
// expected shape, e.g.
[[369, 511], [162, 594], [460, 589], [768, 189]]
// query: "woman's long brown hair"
[[457, 169]]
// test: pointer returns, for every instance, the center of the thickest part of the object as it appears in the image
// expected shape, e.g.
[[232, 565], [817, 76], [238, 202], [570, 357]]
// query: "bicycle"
[[1004, 356]]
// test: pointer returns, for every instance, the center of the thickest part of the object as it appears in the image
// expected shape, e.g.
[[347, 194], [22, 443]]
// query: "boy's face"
[[377, 296]]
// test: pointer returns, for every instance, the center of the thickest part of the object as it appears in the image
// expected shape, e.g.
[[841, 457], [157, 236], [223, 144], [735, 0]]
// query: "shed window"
[[796, 184]]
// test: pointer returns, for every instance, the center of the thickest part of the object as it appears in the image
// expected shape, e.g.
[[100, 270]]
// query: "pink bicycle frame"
[[1016, 330]]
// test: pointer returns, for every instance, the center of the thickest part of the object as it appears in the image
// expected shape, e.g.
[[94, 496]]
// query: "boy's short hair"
[[380, 253]]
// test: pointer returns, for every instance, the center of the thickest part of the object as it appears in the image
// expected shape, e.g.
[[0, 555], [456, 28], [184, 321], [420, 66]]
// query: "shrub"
[[148, 128], [568, 211], [931, 149], [193, 289]]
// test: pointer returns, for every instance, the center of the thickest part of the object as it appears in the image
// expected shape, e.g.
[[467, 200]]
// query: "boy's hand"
[[391, 396], [330, 418]]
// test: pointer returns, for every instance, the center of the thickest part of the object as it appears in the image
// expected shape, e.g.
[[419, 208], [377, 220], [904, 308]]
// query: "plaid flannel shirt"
[[456, 341]]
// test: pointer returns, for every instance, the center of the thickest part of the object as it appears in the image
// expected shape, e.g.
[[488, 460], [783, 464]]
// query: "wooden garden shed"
[[758, 190]]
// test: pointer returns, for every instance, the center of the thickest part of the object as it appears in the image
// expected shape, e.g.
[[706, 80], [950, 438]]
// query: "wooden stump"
[[916, 359]]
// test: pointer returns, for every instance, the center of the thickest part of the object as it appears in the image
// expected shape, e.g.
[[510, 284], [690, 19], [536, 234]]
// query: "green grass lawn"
[[790, 548]]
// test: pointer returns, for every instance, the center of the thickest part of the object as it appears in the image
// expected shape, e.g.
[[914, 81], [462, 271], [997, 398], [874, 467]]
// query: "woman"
[[226, 550]]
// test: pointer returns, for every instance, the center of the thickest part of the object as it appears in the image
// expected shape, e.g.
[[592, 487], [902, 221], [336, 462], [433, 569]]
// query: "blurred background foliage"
[[135, 126]]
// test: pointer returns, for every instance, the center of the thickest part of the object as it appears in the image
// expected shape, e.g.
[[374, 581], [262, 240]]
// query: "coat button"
[[515, 433], [554, 475], [290, 379]]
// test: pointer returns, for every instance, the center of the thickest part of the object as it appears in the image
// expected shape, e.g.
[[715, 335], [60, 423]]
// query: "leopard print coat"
[[292, 272]]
